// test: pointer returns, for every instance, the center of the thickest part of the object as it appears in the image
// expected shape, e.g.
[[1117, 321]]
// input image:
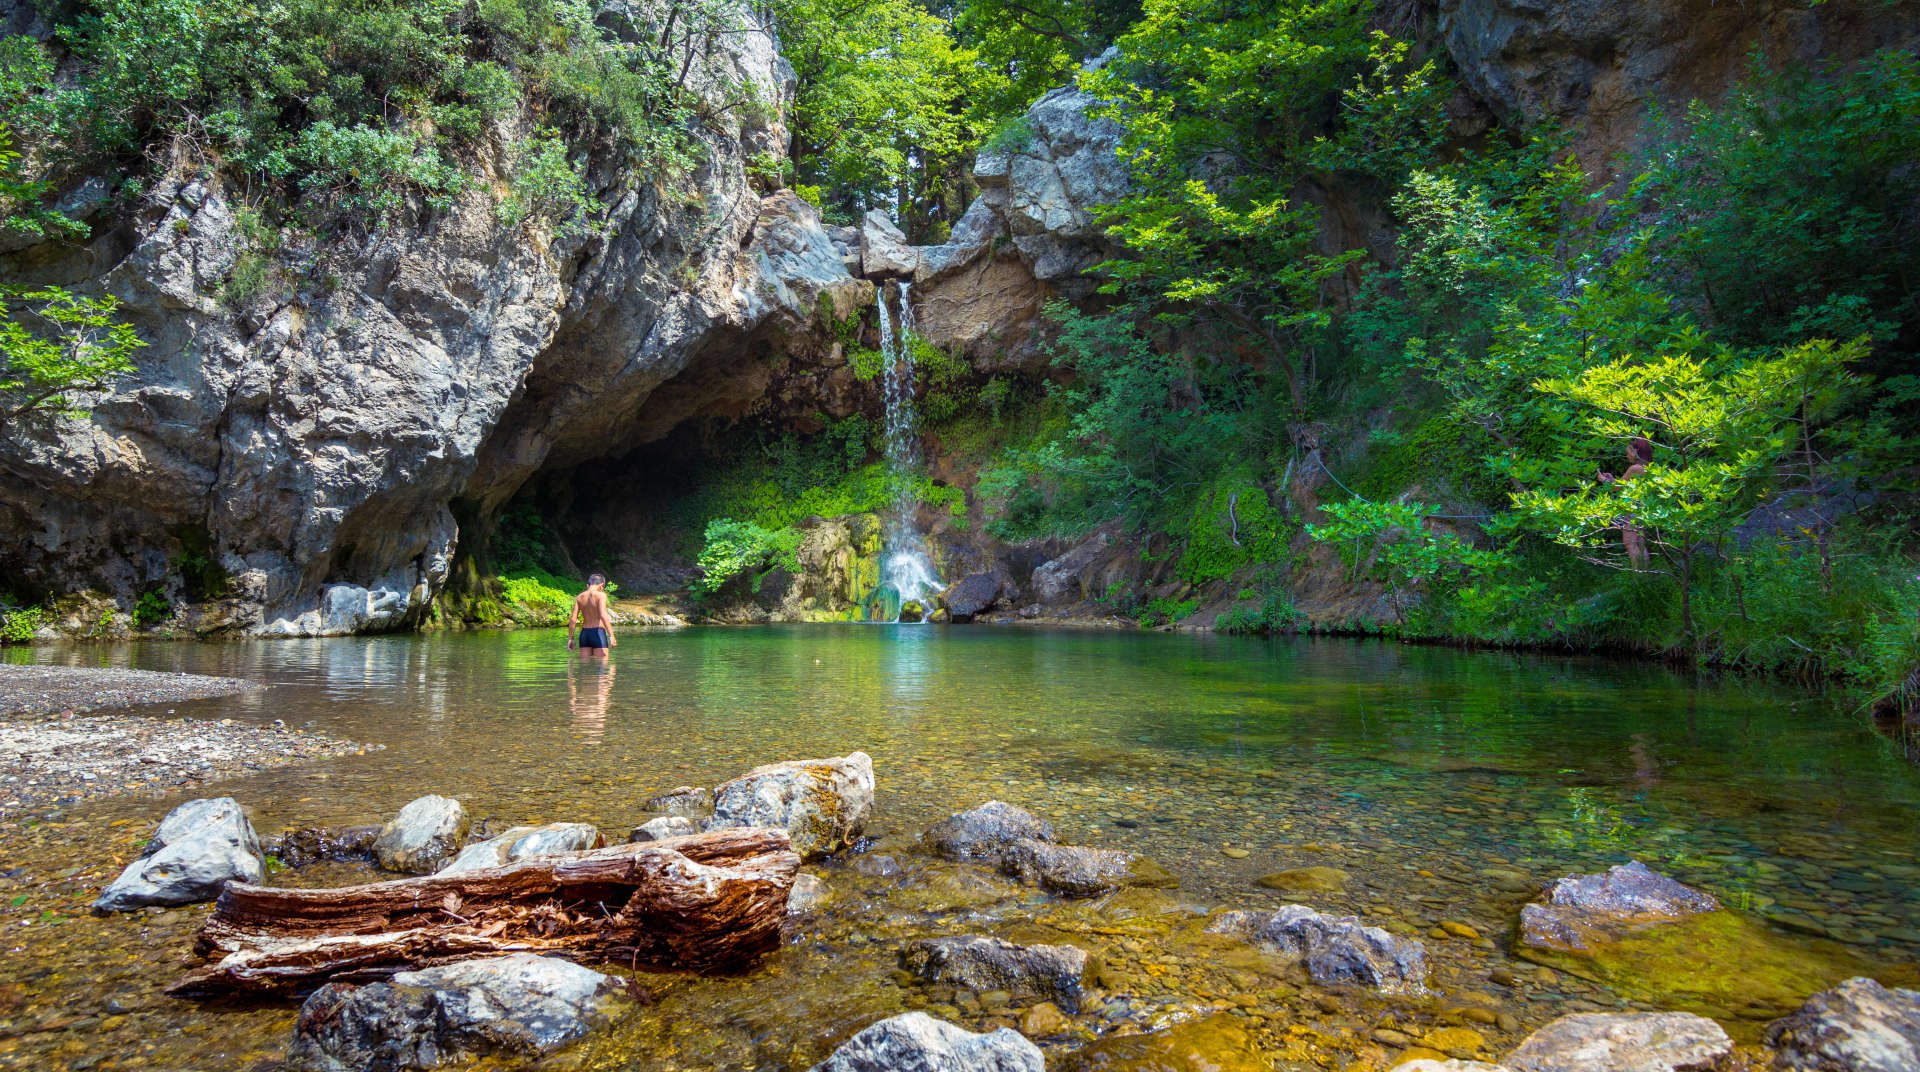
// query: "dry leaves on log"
[[706, 902]]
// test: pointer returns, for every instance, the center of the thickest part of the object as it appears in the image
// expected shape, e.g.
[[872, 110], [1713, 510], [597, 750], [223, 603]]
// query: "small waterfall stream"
[[907, 574]]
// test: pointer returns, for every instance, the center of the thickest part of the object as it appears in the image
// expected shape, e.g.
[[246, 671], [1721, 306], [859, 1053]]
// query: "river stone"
[[972, 594], [1858, 1026], [822, 804], [522, 842], [985, 832], [1336, 949], [1215, 1044], [916, 1042], [313, 844], [807, 893], [690, 801], [1306, 880], [198, 847], [423, 837], [1057, 972], [1081, 872], [1428, 1064], [522, 1004], [1623, 1042], [664, 827], [1584, 910]]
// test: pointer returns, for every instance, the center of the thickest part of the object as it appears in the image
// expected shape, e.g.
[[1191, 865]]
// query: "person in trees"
[[1639, 455], [592, 618]]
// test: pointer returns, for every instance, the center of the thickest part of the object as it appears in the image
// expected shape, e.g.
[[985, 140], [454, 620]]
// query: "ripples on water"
[[1416, 769]]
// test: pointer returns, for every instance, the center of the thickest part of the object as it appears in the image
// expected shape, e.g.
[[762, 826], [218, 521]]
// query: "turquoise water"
[[1417, 770]]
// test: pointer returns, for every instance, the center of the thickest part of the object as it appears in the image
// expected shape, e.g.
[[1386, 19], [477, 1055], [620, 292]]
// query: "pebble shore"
[[49, 756]]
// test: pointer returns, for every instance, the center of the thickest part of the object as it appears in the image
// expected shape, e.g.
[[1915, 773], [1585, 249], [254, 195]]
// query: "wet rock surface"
[[665, 826], [1623, 1042], [1858, 1026], [808, 893], [822, 804], [1058, 973], [916, 1042], [686, 801], [1215, 1044], [200, 846], [317, 844], [426, 834], [1582, 911], [985, 832], [1335, 949], [1074, 871], [521, 842], [523, 1005]]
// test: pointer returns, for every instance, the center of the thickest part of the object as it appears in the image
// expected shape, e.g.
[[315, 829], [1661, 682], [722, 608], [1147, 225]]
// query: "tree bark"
[[705, 902]]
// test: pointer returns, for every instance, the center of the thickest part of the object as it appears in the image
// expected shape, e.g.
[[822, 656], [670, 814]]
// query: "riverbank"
[[55, 756]]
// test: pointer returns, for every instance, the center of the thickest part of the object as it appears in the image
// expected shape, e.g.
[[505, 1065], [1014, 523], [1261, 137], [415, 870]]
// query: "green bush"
[[1163, 610], [18, 624], [151, 608], [734, 547]]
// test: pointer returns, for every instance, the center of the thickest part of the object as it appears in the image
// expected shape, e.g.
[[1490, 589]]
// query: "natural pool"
[[1446, 784]]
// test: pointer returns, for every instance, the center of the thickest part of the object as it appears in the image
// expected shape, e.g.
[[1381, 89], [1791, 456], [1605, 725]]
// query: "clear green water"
[[1432, 776]]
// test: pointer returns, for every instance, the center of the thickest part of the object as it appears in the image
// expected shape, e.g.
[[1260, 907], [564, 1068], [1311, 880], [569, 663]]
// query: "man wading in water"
[[591, 617]]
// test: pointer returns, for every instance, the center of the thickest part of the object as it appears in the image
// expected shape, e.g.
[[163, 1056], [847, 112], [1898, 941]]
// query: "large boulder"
[[426, 834], [971, 595], [1858, 1026], [916, 1042], [1072, 871], [1624, 1042], [1582, 911], [521, 842], [199, 847], [822, 804], [521, 1005], [884, 252], [985, 832], [1059, 973], [1337, 950], [1066, 579]]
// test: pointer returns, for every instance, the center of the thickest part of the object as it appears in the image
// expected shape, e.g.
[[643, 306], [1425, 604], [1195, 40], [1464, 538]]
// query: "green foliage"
[[252, 273], [1165, 610], [67, 346], [18, 624], [1264, 610], [1399, 543], [151, 608], [541, 597], [547, 186], [202, 577], [1232, 525], [734, 547], [1013, 135], [1393, 117]]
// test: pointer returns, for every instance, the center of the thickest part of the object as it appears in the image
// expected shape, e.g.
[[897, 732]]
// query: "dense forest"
[[1655, 394]]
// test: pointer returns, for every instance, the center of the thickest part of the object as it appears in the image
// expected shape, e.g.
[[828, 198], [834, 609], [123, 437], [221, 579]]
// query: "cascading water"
[[907, 574]]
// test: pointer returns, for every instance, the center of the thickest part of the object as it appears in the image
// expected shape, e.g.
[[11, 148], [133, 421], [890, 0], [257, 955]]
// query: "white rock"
[[1624, 1042], [916, 1042], [423, 837], [199, 847], [822, 804], [522, 842]]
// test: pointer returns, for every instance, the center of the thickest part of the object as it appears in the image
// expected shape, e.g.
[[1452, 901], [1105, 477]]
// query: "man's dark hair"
[[596, 578]]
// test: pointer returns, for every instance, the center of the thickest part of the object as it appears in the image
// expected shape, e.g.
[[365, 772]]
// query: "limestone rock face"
[[1582, 910], [822, 804], [1058, 973], [521, 842], [426, 834], [1336, 949], [313, 441], [916, 1042], [1623, 1042], [985, 832], [1858, 1026], [199, 847], [523, 1005]]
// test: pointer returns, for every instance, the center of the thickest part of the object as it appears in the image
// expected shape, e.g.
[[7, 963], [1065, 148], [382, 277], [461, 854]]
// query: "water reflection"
[[589, 692]]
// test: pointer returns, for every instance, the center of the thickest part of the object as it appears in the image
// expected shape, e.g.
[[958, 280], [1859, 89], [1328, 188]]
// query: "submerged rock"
[[1306, 880], [664, 827], [689, 801], [807, 894], [1057, 972], [313, 844], [423, 837], [1582, 911], [1336, 949], [1623, 1042], [822, 804], [1858, 1026], [1215, 1044], [1072, 871], [521, 1004], [198, 848], [522, 842], [916, 1042], [985, 832], [1448, 1064]]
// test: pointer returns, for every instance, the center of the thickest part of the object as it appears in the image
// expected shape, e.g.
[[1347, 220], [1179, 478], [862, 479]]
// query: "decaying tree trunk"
[[705, 902]]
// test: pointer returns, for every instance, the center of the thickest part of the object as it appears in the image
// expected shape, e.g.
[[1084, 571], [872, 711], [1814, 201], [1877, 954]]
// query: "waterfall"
[[906, 569]]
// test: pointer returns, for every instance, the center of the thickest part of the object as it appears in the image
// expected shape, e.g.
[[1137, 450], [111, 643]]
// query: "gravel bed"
[[47, 690], [50, 759]]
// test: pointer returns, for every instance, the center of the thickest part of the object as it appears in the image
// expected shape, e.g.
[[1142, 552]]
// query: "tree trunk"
[[705, 902]]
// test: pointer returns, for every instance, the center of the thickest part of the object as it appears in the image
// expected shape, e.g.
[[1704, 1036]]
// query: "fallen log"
[[704, 902]]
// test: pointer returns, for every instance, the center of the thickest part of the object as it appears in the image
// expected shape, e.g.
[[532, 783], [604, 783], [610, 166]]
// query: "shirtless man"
[[590, 616]]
